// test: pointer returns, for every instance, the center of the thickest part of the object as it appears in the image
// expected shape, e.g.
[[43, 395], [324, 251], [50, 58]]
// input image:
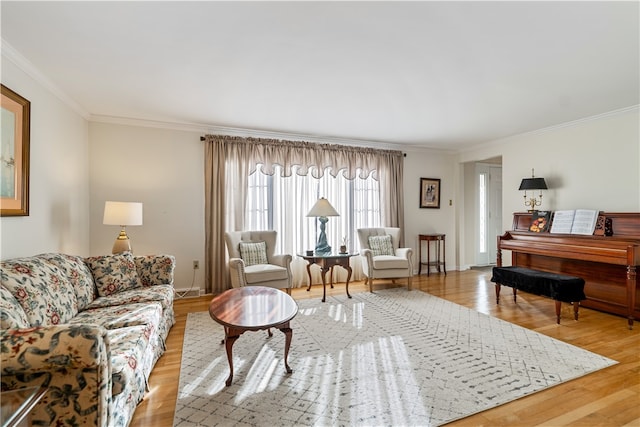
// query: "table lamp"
[[322, 209], [122, 214], [532, 184]]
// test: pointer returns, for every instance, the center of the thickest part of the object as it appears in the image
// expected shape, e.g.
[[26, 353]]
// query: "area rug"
[[392, 358]]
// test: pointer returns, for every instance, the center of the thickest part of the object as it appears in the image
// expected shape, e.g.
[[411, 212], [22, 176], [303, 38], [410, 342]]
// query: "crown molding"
[[245, 132], [11, 54], [572, 123]]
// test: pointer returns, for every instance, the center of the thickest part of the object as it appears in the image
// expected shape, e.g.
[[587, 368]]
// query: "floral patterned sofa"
[[88, 329]]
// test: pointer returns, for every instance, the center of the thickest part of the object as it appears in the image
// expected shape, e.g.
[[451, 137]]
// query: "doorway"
[[488, 184]]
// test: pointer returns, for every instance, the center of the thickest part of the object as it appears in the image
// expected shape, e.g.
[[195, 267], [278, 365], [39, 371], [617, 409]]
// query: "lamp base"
[[323, 247], [122, 243]]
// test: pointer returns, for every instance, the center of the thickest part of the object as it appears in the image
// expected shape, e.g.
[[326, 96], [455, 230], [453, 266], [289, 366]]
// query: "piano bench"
[[560, 287]]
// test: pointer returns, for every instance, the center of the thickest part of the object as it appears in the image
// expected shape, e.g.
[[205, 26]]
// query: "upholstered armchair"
[[381, 256], [252, 261]]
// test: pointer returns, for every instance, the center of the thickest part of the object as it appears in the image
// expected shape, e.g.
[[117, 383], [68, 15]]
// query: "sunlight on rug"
[[396, 357]]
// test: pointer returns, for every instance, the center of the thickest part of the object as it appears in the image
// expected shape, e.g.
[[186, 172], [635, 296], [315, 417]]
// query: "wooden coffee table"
[[253, 308]]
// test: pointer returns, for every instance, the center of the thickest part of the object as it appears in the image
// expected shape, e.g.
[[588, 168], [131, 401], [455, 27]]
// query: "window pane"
[[282, 204]]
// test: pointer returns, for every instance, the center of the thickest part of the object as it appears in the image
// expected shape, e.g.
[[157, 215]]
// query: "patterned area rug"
[[393, 358]]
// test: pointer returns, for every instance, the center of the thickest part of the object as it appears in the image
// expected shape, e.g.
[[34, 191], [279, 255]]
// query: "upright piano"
[[608, 264]]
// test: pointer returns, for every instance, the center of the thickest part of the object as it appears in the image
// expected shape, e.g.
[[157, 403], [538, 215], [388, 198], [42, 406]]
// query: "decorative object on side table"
[[343, 246], [430, 193], [322, 209]]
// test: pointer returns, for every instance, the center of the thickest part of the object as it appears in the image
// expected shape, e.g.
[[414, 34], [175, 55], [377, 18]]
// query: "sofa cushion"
[[155, 269], [253, 253], [12, 316], [264, 273], [114, 273], [77, 273], [163, 294], [381, 245], [46, 297], [384, 262], [121, 316]]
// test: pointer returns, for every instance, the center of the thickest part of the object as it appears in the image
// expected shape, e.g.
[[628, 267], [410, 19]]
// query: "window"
[[482, 213], [282, 203]]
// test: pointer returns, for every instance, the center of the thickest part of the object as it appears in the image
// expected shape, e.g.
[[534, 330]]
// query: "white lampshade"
[[322, 208], [122, 213]]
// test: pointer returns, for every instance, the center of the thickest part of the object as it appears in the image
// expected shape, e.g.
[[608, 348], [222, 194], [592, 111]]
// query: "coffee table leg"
[[288, 334], [229, 339]]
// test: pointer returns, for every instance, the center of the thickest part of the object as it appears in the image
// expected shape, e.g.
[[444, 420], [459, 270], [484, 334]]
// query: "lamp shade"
[[533, 184], [122, 213], [322, 208]]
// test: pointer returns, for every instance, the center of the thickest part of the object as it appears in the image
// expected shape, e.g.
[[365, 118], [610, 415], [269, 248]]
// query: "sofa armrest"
[[404, 252], [71, 361], [155, 269], [283, 260], [367, 254], [236, 271]]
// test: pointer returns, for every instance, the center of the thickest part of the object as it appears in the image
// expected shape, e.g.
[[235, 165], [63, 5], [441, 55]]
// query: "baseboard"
[[186, 293]]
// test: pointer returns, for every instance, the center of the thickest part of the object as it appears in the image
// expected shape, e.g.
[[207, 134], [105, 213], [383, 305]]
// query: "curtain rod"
[[202, 138]]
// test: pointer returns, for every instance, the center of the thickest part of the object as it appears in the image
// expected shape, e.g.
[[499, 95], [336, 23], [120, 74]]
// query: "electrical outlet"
[[196, 264]]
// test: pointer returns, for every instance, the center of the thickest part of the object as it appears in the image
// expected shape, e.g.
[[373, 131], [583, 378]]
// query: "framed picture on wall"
[[430, 193], [14, 154]]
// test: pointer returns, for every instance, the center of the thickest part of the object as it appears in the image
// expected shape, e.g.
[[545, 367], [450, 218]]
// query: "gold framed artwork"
[[430, 193], [14, 154]]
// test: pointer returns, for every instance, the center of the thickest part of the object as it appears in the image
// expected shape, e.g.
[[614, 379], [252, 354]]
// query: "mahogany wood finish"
[[608, 264], [326, 263], [606, 398], [438, 238], [253, 308]]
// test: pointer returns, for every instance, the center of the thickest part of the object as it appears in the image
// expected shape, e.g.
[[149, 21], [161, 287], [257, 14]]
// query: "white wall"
[[58, 218], [163, 169], [431, 164], [590, 164]]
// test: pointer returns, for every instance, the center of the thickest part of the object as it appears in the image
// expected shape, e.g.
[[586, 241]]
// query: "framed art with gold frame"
[[430, 193], [14, 154]]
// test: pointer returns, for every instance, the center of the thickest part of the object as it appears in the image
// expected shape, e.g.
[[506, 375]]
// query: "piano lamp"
[[533, 184], [322, 209], [122, 214]]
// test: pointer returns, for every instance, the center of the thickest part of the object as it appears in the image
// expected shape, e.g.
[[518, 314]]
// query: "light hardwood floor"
[[610, 397]]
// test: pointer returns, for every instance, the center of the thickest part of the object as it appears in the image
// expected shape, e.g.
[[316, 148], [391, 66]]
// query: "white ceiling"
[[444, 75]]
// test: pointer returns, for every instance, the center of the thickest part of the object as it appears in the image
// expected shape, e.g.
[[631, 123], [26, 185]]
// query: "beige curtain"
[[230, 160], [215, 271]]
